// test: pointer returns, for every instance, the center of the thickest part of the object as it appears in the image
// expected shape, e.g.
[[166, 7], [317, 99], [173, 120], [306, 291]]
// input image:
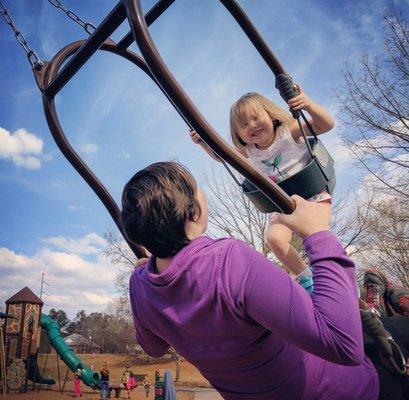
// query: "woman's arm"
[[321, 120], [327, 323]]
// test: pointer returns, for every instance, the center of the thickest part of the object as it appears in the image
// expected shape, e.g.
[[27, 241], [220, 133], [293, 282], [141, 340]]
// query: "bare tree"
[[375, 101], [386, 244], [350, 219], [232, 214], [120, 254]]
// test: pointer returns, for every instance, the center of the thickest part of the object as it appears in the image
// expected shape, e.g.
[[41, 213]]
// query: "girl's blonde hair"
[[254, 102]]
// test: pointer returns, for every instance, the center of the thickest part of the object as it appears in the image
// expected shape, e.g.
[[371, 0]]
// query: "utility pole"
[[43, 282]]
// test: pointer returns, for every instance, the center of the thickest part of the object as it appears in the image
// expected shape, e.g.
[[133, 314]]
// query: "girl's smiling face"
[[256, 127]]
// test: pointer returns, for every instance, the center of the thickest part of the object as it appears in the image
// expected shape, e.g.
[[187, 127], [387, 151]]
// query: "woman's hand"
[[301, 101], [307, 218]]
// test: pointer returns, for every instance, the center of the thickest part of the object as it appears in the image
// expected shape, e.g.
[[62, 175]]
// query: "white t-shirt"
[[282, 159]]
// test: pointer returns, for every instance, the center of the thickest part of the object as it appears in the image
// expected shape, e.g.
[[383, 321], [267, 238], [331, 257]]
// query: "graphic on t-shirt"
[[275, 163]]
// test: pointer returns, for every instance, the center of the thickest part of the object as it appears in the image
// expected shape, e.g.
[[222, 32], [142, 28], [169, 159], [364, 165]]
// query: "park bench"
[[139, 378]]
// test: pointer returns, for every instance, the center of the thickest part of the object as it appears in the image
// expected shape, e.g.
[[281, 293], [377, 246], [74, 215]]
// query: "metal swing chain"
[[32, 56], [88, 26]]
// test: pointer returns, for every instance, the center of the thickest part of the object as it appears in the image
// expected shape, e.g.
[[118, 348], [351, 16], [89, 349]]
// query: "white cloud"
[[90, 148], [21, 147], [73, 282], [89, 244], [75, 208], [125, 155], [338, 151]]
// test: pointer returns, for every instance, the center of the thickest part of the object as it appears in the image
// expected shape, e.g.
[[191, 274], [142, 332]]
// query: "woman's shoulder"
[[238, 255]]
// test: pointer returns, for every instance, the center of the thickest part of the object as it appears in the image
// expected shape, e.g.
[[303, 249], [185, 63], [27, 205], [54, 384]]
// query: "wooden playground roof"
[[25, 295]]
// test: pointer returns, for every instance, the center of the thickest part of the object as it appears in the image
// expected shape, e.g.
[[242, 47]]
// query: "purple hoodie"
[[250, 329]]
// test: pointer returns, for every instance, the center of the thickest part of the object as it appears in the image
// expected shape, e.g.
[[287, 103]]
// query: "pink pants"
[[77, 387]]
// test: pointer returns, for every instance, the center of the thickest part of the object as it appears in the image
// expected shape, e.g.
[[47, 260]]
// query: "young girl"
[[272, 141], [128, 380], [77, 382], [146, 385]]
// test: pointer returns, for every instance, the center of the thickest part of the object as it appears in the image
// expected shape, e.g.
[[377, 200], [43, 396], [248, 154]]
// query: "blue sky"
[[119, 122]]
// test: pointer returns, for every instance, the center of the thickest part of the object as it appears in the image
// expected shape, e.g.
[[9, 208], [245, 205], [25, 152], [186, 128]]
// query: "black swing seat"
[[313, 179]]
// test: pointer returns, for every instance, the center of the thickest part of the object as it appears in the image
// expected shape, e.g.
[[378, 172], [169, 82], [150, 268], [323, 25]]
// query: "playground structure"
[[20, 347], [22, 341]]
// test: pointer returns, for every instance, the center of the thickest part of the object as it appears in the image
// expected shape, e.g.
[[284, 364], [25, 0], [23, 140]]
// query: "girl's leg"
[[326, 207], [279, 238], [77, 390]]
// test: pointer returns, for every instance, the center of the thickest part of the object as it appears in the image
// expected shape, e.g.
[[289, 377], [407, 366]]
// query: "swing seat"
[[313, 179]]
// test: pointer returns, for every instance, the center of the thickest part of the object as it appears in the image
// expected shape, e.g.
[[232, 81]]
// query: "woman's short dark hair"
[[156, 204]]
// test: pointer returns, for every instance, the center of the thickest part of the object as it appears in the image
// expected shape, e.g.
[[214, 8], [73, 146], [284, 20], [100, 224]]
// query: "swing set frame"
[[51, 77]]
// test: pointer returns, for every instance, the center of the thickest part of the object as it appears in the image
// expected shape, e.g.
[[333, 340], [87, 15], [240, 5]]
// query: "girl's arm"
[[197, 139], [321, 120]]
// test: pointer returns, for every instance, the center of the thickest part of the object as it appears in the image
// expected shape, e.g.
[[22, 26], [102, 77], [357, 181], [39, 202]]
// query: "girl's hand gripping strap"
[[285, 86]]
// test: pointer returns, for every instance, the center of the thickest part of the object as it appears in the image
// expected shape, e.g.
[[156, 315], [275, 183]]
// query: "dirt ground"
[[191, 385]]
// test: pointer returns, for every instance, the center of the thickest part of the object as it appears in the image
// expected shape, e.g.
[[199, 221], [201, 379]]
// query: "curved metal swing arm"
[[51, 70], [283, 81], [195, 119], [155, 12], [88, 48], [97, 38], [253, 34]]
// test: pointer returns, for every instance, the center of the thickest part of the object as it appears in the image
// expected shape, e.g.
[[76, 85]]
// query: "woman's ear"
[[196, 214]]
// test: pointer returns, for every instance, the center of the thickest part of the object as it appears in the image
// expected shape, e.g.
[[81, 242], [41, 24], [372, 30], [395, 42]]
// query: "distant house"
[[80, 344], [135, 349]]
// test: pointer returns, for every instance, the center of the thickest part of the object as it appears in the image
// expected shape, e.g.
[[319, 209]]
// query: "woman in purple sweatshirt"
[[250, 329]]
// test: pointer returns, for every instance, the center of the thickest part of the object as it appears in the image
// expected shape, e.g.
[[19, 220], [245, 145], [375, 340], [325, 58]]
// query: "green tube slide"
[[88, 376]]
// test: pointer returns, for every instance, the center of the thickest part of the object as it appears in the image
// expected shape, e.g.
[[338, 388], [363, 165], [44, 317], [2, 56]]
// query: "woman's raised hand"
[[307, 218]]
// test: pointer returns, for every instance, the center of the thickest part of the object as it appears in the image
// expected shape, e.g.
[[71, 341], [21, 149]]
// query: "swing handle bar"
[[284, 82]]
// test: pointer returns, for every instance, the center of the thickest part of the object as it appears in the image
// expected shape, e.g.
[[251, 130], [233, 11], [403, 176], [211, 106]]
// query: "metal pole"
[[91, 45], [42, 373], [42, 284], [151, 16], [58, 372], [3, 364], [65, 380]]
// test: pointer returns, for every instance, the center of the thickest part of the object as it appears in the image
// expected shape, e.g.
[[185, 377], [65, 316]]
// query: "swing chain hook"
[[87, 26], [32, 56]]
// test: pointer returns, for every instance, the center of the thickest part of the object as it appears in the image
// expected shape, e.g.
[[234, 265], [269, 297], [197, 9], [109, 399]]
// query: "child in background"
[[272, 141], [132, 382], [104, 381], [77, 382], [146, 385], [125, 380]]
